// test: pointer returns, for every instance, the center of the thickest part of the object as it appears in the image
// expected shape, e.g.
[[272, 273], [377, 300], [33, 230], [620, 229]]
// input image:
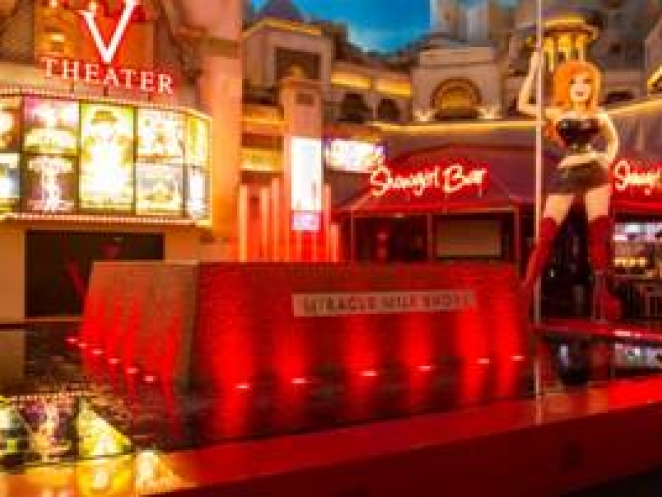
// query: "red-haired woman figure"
[[575, 122]]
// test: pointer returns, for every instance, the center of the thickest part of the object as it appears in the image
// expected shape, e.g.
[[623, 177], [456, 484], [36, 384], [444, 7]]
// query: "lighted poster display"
[[352, 156], [50, 184], [51, 126], [159, 189], [197, 141], [197, 193], [63, 155], [106, 161], [10, 124], [306, 174], [160, 136], [10, 192]]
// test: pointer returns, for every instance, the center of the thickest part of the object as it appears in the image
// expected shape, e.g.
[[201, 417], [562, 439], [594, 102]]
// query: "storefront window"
[[638, 248], [457, 238], [391, 239]]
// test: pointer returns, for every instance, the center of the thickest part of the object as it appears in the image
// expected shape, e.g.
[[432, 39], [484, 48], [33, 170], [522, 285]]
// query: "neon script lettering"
[[626, 177], [449, 179]]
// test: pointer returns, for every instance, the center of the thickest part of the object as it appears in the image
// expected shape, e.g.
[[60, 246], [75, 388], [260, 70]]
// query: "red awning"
[[510, 181]]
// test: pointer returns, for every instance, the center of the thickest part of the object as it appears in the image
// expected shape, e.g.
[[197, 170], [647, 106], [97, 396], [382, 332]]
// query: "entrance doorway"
[[59, 264], [392, 239]]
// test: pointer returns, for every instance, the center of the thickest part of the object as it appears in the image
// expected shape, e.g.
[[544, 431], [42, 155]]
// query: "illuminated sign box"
[[10, 191], [631, 176], [10, 124], [160, 136], [306, 221], [306, 175], [445, 178], [106, 165], [353, 156], [197, 193], [262, 160], [105, 36], [50, 184], [159, 189], [59, 155], [51, 126]]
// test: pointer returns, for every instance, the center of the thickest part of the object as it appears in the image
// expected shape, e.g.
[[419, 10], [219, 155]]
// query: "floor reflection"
[[76, 404]]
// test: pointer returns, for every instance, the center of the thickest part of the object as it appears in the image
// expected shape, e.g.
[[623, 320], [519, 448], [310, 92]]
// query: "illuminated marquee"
[[629, 177], [352, 156], [449, 179], [104, 73], [96, 159]]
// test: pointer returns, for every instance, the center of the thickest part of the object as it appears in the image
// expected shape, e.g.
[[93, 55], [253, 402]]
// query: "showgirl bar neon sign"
[[104, 73], [450, 179], [628, 177]]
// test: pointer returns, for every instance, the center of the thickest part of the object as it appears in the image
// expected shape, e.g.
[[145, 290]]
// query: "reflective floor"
[[74, 420], [74, 403]]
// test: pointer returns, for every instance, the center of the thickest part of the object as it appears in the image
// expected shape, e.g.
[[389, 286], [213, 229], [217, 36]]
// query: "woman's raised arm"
[[611, 137], [524, 104]]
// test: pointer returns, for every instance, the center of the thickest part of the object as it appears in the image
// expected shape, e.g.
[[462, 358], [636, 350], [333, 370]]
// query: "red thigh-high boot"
[[538, 258], [605, 306]]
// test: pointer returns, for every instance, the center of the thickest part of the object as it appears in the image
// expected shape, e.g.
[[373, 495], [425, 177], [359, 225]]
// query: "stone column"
[[216, 27]]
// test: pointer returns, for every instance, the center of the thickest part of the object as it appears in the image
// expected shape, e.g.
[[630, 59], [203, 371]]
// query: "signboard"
[[353, 156], [106, 167], [358, 303], [51, 126], [631, 176], [160, 136], [159, 189], [50, 184], [197, 141], [263, 160], [10, 191], [306, 221], [104, 73], [306, 174], [197, 193], [306, 177], [449, 179], [10, 120]]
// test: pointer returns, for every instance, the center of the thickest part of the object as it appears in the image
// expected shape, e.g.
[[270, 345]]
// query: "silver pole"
[[540, 118], [536, 339]]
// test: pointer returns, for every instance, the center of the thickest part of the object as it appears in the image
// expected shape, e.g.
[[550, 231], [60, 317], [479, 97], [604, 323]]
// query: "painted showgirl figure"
[[575, 122]]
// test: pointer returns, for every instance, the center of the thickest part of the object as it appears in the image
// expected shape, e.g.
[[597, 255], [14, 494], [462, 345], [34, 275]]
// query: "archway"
[[456, 99]]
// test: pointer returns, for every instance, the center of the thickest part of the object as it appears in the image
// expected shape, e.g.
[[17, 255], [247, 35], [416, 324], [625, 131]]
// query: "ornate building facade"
[[469, 65]]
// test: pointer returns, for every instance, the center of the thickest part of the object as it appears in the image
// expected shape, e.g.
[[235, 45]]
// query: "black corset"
[[577, 134]]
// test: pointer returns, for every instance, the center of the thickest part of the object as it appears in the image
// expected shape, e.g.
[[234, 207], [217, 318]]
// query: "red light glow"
[[132, 370], [299, 381], [369, 373], [243, 386], [113, 361]]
